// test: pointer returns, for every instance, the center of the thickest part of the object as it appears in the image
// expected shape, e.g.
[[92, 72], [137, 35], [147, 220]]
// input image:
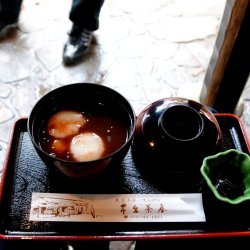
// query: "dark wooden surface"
[[229, 66]]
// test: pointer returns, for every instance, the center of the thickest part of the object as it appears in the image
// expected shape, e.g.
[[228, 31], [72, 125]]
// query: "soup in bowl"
[[82, 128]]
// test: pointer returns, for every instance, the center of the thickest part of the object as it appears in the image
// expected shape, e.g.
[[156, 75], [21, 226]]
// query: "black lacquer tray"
[[25, 173]]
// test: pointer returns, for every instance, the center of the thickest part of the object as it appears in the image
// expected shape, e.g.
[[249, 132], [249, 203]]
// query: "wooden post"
[[229, 66]]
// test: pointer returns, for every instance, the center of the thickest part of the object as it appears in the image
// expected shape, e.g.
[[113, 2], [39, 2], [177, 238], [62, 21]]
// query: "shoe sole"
[[69, 61], [6, 29]]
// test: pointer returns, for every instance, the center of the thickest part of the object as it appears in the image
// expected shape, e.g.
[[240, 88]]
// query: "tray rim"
[[243, 130], [138, 235]]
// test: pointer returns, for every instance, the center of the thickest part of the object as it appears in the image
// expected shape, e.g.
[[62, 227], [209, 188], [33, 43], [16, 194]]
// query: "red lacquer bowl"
[[173, 135], [89, 99]]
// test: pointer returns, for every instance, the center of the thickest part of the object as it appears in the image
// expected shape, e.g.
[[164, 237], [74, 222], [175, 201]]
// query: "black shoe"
[[77, 44], [4, 27]]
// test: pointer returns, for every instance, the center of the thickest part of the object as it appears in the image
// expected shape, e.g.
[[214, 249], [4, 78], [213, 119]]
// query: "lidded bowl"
[[173, 135]]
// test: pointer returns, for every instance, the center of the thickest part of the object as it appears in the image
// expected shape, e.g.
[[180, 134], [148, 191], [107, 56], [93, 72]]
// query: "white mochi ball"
[[87, 147], [65, 123]]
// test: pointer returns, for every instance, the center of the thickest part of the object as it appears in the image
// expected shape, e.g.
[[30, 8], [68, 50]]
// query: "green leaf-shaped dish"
[[212, 165]]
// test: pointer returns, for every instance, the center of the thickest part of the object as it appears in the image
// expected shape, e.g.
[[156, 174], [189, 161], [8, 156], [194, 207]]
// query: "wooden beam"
[[226, 44]]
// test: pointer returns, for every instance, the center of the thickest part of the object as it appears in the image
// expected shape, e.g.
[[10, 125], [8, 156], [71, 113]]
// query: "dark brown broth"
[[110, 129]]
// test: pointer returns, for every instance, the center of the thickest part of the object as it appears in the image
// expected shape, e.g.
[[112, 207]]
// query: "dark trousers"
[[84, 13]]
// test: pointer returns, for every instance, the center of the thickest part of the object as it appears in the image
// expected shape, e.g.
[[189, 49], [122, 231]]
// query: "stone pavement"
[[146, 50]]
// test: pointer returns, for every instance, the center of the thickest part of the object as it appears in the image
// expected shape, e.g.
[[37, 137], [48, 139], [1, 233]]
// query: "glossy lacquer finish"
[[89, 98], [24, 173], [173, 135]]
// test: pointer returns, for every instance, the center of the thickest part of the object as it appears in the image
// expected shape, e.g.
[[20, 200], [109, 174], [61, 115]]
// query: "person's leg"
[[9, 14], [84, 15], [10, 10]]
